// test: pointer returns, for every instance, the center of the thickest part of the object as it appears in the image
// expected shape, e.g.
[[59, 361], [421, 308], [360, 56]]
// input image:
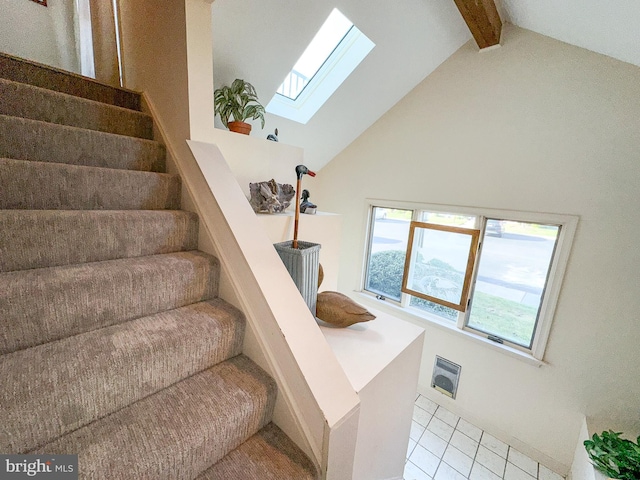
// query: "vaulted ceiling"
[[261, 40]]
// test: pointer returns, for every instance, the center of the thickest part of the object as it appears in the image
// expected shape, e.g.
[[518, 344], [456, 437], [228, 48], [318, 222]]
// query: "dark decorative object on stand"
[[306, 206], [302, 259], [300, 171], [271, 196], [273, 136]]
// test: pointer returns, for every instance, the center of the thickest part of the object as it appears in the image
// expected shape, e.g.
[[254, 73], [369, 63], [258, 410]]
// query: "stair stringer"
[[316, 405]]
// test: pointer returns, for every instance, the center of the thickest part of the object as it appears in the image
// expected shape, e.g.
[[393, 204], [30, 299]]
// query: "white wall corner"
[[581, 468], [200, 68], [339, 447]]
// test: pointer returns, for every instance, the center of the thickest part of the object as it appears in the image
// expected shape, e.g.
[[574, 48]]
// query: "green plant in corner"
[[614, 456], [238, 101]]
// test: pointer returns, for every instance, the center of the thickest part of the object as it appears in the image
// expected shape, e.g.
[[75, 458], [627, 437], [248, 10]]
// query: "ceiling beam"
[[483, 20]]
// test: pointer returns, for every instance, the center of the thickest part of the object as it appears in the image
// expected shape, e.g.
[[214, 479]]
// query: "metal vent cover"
[[446, 375]]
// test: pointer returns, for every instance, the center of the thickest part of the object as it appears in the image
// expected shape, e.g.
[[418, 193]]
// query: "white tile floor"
[[444, 446]]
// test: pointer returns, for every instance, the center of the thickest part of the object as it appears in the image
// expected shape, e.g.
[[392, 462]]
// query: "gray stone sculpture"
[[271, 196]]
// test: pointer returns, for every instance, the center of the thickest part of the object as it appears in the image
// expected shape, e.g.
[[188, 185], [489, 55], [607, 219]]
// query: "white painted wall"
[[41, 34], [610, 28], [381, 359], [582, 468], [254, 159], [535, 125], [260, 41]]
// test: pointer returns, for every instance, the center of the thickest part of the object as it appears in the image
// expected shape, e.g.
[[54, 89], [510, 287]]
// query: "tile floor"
[[444, 446]]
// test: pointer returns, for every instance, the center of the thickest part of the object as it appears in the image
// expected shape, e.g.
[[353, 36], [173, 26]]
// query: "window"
[[493, 274], [439, 263], [335, 51], [387, 251], [330, 35]]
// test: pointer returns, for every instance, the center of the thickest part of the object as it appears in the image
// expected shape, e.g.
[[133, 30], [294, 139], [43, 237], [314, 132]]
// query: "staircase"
[[114, 344]]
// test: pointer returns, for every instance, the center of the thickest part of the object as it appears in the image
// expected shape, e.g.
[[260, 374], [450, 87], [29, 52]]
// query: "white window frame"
[[551, 291]]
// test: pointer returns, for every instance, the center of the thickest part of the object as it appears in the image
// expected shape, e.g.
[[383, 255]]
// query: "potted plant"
[[616, 457], [240, 102]]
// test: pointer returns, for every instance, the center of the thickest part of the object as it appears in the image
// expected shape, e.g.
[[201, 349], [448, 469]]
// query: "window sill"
[[432, 320]]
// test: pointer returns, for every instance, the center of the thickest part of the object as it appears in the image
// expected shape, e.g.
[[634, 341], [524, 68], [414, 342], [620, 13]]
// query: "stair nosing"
[[70, 74], [216, 299], [90, 168], [113, 260], [90, 101], [94, 212], [96, 132], [194, 261], [216, 325], [236, 361]]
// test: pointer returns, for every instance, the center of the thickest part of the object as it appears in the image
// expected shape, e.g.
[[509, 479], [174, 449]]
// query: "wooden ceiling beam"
[[483, 20]]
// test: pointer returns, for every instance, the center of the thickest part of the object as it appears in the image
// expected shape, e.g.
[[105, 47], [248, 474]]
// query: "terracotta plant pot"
[[239, 127]]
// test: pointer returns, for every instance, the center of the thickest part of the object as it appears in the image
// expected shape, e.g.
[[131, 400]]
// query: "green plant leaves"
[[239, 102], [614, 456], [254, 112]]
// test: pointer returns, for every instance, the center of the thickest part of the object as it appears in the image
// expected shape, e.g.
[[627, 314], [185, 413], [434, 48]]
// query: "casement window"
[[492, 274]]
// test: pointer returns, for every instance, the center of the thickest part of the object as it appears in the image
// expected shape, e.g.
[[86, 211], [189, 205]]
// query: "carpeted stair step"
[[39, 75], [57, 186], [113, 343], [26, 139], [91, 375], [267, 455], [178, 432], [46, 304], [48, 238], [22, 100]]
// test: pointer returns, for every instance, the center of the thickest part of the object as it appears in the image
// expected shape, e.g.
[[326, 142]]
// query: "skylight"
[[323, 44], [335, 51]]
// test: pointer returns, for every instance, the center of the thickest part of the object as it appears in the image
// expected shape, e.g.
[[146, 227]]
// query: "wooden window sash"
[[471, 258]]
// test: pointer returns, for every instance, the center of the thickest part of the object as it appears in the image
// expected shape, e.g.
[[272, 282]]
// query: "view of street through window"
[[512, 271]]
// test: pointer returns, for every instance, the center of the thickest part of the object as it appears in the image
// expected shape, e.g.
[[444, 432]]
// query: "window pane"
[[331, 33], [454, 220], [388, 244], [450, 219], [512, 275], [441, 263], [431, 307]]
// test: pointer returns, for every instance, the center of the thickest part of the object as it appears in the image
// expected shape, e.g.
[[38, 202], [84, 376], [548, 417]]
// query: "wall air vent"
[[445, 377]]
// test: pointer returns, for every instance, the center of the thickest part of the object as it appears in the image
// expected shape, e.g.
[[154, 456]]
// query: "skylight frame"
[[319, 68], [335, 69]]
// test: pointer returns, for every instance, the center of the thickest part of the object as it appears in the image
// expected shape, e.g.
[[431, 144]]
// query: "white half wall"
[[254, 159], [535, 125]]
